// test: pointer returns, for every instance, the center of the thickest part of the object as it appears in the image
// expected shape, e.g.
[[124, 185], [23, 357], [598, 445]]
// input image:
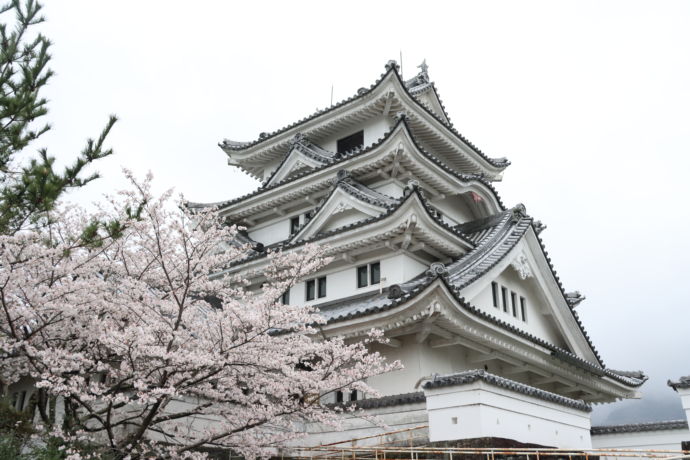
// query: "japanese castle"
[[424, 249]]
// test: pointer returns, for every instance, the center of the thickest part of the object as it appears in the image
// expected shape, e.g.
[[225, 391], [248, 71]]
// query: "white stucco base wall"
[[645, 440], [354, 427], [684, 394], [478, 410]]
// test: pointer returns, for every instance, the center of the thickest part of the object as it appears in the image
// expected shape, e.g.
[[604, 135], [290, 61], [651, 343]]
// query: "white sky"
[[589, 100]]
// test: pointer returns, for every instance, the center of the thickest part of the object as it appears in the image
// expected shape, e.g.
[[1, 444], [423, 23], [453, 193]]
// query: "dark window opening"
[[285, 299], [351, 142], [494, 293], [369, 274], [339, 396], [504, 293], [294, 225], [361, 276], [513, 302], [523, 308], [353, 395], [311, 290], [375, 272], [322, 287]]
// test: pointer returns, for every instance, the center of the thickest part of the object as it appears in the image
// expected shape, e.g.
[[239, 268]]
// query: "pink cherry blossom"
[[153, 346]]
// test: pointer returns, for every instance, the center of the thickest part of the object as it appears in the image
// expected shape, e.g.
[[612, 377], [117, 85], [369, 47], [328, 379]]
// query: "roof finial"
[[424, 67]]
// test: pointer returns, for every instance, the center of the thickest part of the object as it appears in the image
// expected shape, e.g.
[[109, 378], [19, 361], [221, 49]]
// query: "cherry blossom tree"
[[144, 341]]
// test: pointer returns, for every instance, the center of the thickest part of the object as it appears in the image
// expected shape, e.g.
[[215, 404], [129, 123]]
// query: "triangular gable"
[[524, 275], [421, 88], [479, 195], [429, 98], [295, 163], [303, 155], [341, 208], [270, 147]]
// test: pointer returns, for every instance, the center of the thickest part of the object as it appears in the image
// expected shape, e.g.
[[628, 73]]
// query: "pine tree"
[[30, 185]]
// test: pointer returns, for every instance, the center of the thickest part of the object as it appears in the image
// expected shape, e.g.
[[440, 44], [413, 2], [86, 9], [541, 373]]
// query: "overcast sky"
[[589, 100]]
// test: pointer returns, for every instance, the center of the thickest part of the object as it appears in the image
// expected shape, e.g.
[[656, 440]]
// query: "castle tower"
[[424, 249]]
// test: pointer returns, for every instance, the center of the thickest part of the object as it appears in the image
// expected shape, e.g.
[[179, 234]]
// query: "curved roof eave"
[[565, 355], [391, 68], [356, 153], [389, 212], [556, 352]]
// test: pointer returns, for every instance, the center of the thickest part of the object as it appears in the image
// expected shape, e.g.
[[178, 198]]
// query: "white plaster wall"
[[419, 360], [373, 128], [685, 400], [537, 323], [482, 410], [455, 208], [342, 219], [342, 282], [391, 188], [647, 440], [271, 233], [353, 427]]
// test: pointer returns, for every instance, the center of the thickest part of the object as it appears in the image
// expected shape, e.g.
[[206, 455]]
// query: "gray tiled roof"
[[366, 194], [389, 210], [501, 233], [640, 427], [463, 378], [390, 67], [357, 190], [309, 149], [683, 382], [402, 122], [389, 401]]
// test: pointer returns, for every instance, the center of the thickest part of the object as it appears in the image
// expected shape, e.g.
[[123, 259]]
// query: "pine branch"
[[29, 189]]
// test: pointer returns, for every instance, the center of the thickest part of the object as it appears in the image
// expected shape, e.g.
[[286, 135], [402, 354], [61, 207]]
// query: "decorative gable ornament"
[[521, 266], [342, 207]]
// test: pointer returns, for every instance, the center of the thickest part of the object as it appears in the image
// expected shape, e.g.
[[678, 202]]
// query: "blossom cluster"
[[153, 345]]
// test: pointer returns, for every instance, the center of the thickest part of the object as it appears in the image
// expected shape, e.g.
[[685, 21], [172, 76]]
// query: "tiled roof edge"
[[565, 297], [354, 153], [639, 427], [359, 95], [683, 382], [388, 401], [466, 377], [499, 163], [557, 352], [390, 210]]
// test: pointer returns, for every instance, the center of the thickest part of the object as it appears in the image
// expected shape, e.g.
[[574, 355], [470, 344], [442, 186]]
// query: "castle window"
[[504, 294], [339, 396], [285, 298], [311, 288], [294, 225], [375, 273], [494, 292], [513, 302], [523, 308], [351, 142], [353, 395], [322, 286], [362, 276], [369, 274]]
